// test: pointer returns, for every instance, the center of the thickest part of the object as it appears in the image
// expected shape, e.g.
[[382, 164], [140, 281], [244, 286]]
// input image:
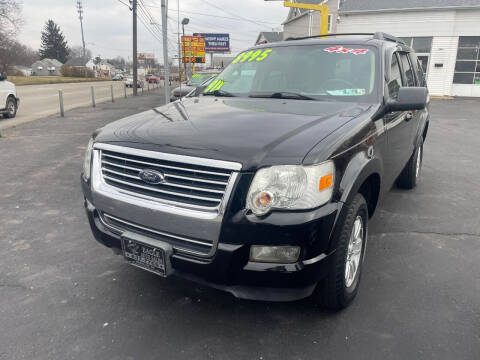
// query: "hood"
[[253, 132], [183, 90]]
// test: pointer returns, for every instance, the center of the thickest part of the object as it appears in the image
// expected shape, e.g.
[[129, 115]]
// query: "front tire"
[[11, 110], [341, 284], [410, 176]]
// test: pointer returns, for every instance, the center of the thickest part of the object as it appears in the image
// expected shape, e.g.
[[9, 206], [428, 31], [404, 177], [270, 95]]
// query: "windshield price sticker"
[[342, 50], [214, 85], [195, 76], [251, 55]]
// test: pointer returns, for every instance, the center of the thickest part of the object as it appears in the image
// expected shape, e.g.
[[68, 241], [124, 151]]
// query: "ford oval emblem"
[[152, 177]]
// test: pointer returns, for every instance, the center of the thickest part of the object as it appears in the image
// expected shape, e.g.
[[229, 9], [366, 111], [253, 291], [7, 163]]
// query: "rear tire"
[[410, 176], [11, 109], [340, 286]]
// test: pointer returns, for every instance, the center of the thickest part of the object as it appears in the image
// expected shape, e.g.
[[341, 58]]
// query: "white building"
[[445, 34], [102, 69]]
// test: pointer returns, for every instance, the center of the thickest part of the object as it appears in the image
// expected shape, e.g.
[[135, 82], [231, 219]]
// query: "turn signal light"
[[325, 182]]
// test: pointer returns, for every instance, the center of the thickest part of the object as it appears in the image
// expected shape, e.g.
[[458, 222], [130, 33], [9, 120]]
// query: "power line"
[[151, 19], [258, 22], [127, 5], [235, 15]]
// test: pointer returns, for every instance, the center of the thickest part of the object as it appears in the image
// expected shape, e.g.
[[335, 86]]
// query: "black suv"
[[264, 184]]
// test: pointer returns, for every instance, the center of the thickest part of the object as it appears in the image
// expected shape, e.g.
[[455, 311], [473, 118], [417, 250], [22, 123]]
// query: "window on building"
[[419, 44], [423, 47], [467, 67], [395, 82]]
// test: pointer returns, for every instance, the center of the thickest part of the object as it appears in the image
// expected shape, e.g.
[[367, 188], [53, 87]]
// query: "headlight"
[[87, 161], [291, 187]]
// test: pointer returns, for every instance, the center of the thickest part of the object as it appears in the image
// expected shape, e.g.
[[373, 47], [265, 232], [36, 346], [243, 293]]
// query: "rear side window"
[[407, 69], [395, 78], [418, 69]]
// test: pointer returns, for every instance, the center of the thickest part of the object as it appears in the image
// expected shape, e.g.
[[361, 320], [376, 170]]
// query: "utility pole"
[[179, 45], [165, 51], [80, 16], [135, 62]]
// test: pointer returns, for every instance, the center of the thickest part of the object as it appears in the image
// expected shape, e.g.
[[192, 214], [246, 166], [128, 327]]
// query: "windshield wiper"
[[282, 95], [219, 93]]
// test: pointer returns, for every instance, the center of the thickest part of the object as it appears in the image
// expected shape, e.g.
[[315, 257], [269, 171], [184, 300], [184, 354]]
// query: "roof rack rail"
[[376, 35], [388, 37]]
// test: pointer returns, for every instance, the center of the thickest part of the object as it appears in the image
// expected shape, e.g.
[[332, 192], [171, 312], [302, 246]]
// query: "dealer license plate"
[[145, 256]]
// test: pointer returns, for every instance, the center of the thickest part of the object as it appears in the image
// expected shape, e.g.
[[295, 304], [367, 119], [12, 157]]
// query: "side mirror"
[[409, 98]]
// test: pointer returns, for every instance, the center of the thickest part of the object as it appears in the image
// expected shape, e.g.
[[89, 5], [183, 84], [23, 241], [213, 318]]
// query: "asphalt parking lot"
[[63, 296]]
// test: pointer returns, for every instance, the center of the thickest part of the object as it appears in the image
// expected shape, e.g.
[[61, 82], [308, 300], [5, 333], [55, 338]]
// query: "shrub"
[[73, 71]]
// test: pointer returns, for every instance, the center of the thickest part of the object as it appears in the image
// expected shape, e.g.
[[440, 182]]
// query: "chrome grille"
[[185, 184], [180, 243]]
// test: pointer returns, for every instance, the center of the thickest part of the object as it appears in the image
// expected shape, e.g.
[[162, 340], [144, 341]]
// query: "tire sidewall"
[[349, 292], [419, 148], [335, 294], [9, 102]]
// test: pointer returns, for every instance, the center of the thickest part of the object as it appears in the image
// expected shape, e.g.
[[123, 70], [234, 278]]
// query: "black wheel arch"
[[362, 175]]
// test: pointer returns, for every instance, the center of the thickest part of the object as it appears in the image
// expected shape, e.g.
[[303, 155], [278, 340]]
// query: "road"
[[63, 296], [38, 101]]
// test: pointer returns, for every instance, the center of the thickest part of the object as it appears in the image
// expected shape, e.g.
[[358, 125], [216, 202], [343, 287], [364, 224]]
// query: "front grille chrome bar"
[[189, 182], [180, 243]]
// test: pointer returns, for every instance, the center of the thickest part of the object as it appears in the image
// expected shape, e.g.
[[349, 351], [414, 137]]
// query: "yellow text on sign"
[[249, 56]]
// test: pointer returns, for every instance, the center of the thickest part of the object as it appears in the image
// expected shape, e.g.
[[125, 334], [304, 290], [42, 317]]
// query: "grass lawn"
[[36, 80]]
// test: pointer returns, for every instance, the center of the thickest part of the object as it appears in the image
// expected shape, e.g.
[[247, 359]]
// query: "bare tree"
[[17, 54], [10, 22], [77, 52]]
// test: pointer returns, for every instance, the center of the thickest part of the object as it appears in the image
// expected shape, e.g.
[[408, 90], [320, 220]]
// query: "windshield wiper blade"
[[282, 95], [219, 93]]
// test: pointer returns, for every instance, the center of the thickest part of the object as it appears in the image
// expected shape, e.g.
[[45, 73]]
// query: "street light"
[[185, 21]]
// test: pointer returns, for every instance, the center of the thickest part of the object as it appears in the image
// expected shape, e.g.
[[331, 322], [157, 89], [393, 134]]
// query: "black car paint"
[[366, 145]]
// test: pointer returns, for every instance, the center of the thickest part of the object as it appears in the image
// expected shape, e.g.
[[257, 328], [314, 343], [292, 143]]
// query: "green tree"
[[54, 45]]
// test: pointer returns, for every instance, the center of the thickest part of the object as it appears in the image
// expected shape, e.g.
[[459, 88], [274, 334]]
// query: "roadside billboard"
[[193, 49], [145, 56], [216, 42]]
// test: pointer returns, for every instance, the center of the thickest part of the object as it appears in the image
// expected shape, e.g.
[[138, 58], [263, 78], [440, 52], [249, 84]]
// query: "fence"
[[98, 94]]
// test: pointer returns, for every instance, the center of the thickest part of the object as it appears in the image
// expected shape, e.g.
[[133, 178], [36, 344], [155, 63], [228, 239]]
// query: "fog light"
[[274, 254]]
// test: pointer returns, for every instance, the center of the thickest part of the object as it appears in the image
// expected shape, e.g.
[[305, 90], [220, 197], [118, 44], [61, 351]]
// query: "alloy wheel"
[[354, 252]]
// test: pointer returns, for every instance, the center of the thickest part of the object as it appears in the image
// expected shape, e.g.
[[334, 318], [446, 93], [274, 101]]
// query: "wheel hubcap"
[[11, 108], [354, 252], [419, 162]]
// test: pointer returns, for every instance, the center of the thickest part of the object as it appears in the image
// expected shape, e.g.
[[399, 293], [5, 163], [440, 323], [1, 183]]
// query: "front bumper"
[[229, 268]]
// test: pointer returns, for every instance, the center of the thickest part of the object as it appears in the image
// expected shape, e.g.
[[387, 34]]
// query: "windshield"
[[345, 73], [198, 79]]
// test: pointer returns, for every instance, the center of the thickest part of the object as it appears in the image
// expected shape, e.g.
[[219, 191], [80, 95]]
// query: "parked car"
[[9, 101], [152, 79], [118, 77], [196, 80], [129, 82], [264, 185]]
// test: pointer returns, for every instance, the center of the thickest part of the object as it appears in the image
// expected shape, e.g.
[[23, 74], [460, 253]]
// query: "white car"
[[129, 82], [9, 100]]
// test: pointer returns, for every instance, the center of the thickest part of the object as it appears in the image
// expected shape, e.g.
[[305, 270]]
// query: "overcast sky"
[[108, 24]]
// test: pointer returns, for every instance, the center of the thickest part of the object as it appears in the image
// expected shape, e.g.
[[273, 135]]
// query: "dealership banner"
[[216, 42]]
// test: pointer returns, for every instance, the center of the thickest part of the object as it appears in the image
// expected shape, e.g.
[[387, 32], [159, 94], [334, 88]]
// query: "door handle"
[[409, 116]]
